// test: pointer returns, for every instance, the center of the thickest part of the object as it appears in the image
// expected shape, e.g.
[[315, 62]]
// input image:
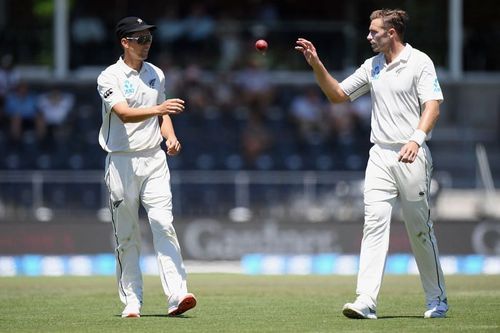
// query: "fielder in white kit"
[[135, 120], [405, 95]]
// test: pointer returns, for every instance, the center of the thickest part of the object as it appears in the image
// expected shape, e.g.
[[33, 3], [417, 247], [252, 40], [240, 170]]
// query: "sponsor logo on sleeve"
[[108, 93]]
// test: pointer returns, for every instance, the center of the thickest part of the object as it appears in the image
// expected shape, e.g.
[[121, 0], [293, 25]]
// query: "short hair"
[[392, 18]]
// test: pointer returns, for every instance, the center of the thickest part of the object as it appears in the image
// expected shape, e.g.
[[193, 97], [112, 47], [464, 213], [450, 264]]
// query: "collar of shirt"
[[401, 58], [128, 70]]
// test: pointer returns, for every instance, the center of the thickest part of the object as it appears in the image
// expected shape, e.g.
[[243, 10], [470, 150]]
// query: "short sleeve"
[[357, 84], [428, 84], [109, 91], [162, 93]]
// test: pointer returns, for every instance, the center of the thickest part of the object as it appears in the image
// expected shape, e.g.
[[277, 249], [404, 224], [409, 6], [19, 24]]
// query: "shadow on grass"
[[161, 315], [397, 317]]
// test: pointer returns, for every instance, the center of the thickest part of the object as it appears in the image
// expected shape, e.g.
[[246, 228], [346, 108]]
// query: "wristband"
[[418, 136]]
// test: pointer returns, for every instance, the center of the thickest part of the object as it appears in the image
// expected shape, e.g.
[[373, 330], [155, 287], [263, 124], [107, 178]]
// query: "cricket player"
[[405, 96], [135, 120]]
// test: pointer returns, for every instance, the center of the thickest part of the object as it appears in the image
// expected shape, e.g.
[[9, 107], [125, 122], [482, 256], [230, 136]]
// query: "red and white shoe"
[[186, 303], [131, 311]]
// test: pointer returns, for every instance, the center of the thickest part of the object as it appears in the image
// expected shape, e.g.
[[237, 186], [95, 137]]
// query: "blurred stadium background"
[[270, 173]]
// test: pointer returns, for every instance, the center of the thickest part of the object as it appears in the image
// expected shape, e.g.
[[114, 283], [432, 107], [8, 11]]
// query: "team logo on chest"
[[152, 83], [128, 88], [376, 72]]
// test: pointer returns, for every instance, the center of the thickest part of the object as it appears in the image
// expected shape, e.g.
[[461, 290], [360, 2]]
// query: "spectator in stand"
[[307, 111], [229, 42], [255, 86], [174, 79], [362, 108], [88, 33], [9, 78], [170, 26], [224, 93], [256, 139], [199, 24], [190, 33], [267, 13], [55, 106], [343, 124], [199, 94], [24, 116]]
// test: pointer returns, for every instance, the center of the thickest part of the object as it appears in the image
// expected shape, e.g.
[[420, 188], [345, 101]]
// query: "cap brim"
[[142, 27]]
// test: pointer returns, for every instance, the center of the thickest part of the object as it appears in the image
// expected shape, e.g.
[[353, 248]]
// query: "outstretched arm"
[[135, 115], [327, 83]]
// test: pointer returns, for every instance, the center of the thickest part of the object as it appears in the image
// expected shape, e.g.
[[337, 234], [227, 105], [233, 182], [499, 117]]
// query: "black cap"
[[131, 24]]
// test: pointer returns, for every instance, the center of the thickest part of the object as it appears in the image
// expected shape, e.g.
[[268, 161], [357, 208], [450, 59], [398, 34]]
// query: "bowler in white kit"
[[135, 121], [405, 95]]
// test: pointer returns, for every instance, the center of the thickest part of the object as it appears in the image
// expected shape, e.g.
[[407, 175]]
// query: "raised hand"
[[308, 50]]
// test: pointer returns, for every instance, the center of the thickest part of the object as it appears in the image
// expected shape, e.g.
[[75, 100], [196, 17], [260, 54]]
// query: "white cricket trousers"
[[143, 178], [387, 180]]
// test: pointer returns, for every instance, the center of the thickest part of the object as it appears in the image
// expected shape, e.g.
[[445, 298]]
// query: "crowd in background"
[[196, 34], [237, 118], [233, 120]]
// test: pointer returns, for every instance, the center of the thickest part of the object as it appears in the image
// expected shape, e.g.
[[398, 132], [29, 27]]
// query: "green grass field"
[[239, 303]]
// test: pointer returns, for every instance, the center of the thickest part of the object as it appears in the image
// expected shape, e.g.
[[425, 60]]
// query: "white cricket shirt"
[[120, 83], [398, 93]]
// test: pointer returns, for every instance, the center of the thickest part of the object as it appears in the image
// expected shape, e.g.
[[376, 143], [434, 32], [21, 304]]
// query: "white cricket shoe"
[[131, 311], [436, 309], [358, 310]]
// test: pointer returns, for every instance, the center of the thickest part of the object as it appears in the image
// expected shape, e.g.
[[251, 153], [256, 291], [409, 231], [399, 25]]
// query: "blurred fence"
[[49, 195]]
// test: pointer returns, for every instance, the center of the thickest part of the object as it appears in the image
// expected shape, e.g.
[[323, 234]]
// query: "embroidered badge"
[[152, 83], [128, 88]]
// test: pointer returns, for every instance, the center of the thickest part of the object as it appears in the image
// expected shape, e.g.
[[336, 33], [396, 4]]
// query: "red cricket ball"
[[261, 45]]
